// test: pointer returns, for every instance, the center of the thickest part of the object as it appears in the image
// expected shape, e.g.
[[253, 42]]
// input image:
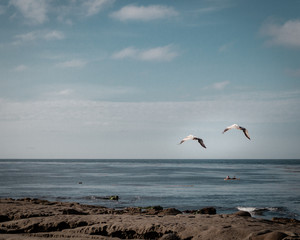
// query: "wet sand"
[[34, 219]]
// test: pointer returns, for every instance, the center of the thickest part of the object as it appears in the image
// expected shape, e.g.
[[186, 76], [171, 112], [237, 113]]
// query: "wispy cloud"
[[287, 34], [70, 10], [20, 68], [65, 92], [34, 11], [218, 85], [54, 35], [143, 13], [165, 53], [38, 35], [74, 63], [93, 7]]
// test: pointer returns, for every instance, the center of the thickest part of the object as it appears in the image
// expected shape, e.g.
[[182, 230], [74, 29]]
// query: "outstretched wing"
[[230, 127], [189, 137], [245, 131], [200, 141]]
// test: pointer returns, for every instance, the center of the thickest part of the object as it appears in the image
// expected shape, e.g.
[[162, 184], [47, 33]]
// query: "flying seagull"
[[238, 127], [191, 137]]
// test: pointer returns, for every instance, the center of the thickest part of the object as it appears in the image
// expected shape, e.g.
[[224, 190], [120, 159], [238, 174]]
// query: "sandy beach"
[[34, 219]]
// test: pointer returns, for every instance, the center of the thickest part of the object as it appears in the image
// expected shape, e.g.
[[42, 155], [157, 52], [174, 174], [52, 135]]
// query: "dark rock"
[[126, 234], [151, 235], [190, 211], [242, 214], [72, 211], [156, 208], [133, 210], [207, 210], [4, 218], [171, 211]]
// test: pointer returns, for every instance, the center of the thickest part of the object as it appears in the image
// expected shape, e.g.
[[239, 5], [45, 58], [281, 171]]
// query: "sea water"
[[265, 188]]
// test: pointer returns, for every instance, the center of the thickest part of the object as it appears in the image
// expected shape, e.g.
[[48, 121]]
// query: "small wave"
[[260, 211], [113, 197]]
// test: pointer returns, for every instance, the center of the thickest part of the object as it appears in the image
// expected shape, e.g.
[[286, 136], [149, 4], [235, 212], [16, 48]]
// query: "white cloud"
[[165, 53], [74, 63], [70, 10], [34, 11], [20, 68], [160, 53], [65, 92], [93, 7], [220, 85], [129, 52], [144, 13], [54, 35], [26, 37], [287, 34], [38, 35]]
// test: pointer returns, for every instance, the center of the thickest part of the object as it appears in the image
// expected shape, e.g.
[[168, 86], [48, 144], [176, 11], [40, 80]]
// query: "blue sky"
[[130, 79]]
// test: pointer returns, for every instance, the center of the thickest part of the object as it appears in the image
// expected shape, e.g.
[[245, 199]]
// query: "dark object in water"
[[115, 198]]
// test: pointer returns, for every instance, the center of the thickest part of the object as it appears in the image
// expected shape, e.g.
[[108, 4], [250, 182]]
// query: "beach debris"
[[192, 137], [235, 126]]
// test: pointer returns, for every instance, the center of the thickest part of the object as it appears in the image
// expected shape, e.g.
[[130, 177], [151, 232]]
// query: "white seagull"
[[238, 127], [191, 137]]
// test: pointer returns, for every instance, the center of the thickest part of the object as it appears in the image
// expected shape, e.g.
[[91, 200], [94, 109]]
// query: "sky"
[[129, 79]]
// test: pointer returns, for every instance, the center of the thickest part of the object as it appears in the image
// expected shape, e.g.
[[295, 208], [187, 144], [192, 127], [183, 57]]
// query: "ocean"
[[265, 188]]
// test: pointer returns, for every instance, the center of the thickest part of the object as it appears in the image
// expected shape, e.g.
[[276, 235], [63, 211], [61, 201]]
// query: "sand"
[[33, 219]]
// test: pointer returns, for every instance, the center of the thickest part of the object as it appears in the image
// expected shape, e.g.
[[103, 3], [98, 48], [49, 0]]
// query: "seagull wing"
[[231, 127], [225, 130], [201, 142], [189, 137], [246, 133]]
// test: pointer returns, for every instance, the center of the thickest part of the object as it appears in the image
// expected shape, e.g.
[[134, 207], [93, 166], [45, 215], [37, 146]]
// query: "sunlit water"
[[267, 188]]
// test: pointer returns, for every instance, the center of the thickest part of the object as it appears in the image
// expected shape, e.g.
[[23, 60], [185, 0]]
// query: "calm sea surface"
[[267, 188]]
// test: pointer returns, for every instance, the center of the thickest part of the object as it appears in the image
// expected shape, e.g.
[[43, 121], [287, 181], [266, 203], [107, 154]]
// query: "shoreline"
[[36, 219]]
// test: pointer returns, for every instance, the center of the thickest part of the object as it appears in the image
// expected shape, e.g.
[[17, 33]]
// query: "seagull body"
[[191, 137], [245, 131]]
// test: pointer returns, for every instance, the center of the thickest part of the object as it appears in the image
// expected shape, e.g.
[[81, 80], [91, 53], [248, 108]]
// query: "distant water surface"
[[267, 188]]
